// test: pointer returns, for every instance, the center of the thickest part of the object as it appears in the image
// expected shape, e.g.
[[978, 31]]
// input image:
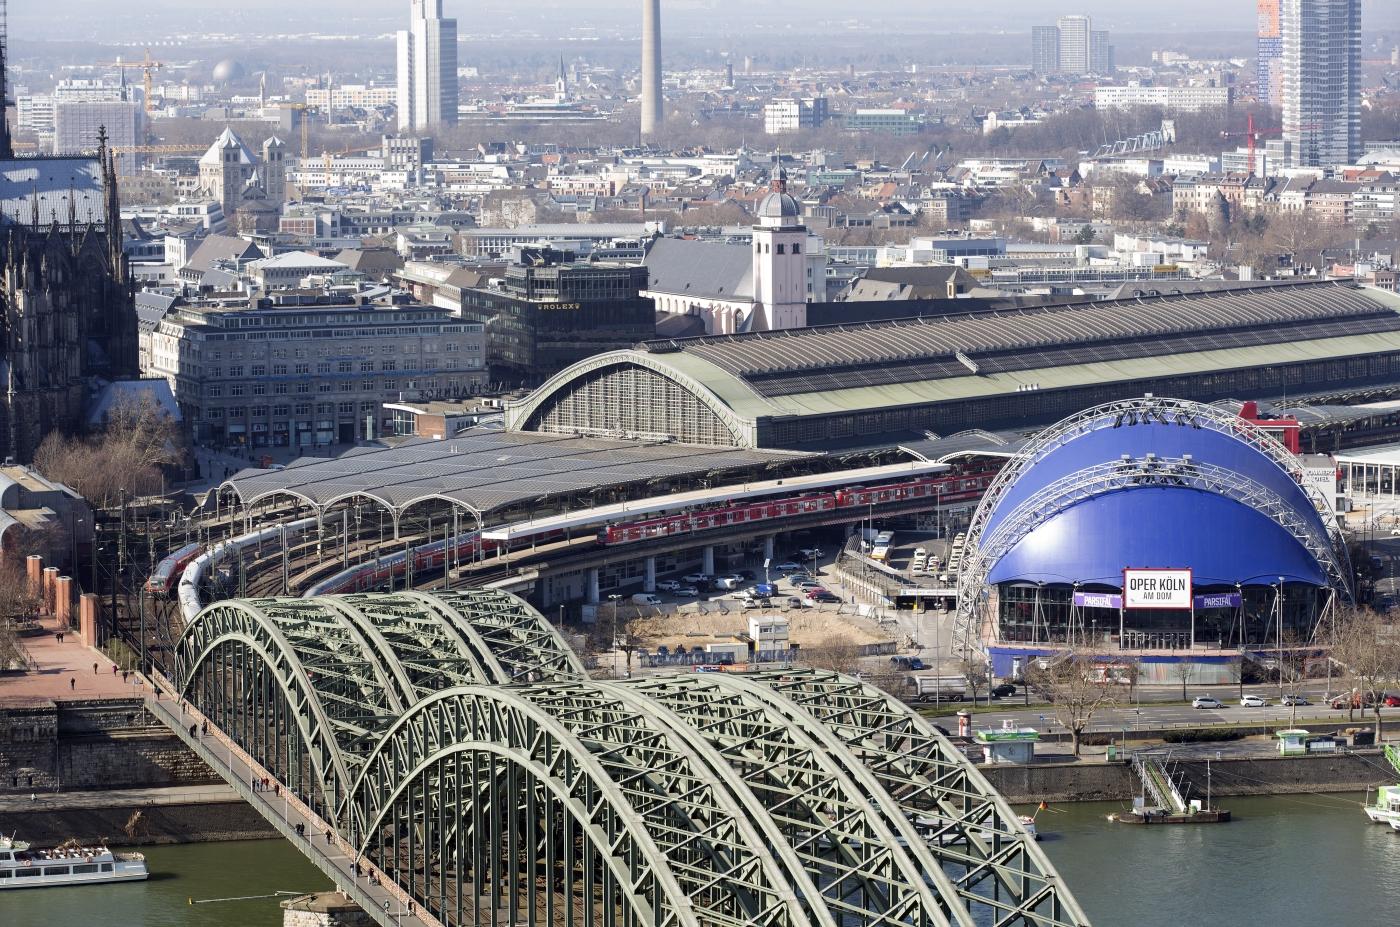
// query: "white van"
[[645, 598]]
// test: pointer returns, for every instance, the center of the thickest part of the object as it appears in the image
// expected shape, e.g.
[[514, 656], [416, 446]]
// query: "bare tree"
[[975, 672], [1077, 689], [126, 454], [1369, 647], [1182, 669], [838, 653], [17, 606]]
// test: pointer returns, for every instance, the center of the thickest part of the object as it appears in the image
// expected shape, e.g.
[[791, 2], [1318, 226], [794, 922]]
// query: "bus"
[[880, 549]]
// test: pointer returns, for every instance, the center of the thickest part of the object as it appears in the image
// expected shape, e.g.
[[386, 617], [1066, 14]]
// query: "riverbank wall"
[[49, 745], [1094, 780], [134, 817]]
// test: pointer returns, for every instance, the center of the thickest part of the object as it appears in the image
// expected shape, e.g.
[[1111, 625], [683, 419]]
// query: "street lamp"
[[612, 598], [1279, 638]]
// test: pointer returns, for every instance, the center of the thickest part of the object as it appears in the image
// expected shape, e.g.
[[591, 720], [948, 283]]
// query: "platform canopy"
[[488, 470]]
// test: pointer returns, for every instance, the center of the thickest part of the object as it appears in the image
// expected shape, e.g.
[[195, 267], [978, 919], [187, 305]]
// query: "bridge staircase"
[[1161, 780]]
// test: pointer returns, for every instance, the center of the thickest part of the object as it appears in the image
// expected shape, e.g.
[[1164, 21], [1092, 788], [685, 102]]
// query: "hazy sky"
[[89, 19]]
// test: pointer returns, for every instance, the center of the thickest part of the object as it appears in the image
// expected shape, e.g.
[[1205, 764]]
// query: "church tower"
[[274, 168], [779, 266]]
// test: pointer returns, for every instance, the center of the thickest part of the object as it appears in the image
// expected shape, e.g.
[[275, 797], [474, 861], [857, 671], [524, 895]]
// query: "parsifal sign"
[[1219, 600], [1156, 588], [1098, 600]]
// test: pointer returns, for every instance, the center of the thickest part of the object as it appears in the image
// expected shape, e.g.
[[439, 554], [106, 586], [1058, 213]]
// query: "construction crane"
[[147, 66], [1253, 135]]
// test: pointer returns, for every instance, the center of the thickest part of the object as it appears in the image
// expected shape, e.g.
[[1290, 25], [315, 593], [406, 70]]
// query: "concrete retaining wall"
[[79, 744], [1093, 780], [157, 824]]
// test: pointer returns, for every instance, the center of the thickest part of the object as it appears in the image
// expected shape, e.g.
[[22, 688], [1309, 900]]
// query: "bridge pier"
[[324, 909], [768, 546], [707, 563], [649, 579], [592, 593]]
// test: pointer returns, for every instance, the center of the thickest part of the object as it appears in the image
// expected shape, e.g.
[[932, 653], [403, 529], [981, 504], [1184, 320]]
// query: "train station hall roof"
[[488, 470], [838, 368]]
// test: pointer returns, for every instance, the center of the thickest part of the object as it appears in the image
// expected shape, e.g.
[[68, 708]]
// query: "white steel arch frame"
[[977, 562]]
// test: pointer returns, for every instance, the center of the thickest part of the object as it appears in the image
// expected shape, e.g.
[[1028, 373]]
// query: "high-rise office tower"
[[427, 68], [1045, 49], [652, 104], [1269, 52], [1074, 44], [1100, 54], [1322, 81]]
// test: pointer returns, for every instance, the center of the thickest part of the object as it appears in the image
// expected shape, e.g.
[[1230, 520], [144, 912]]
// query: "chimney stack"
[[652, 104]]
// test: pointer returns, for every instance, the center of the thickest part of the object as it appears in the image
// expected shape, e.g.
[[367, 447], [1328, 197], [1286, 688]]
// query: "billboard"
[[1156, 588], [1098, 600]]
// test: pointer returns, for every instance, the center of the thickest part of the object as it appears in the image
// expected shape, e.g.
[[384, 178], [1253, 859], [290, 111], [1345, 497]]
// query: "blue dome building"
[[1158, 492]]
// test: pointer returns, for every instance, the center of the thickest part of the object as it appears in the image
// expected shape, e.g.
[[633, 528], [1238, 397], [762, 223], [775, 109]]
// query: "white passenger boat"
[[1386, 808], [23, 866]]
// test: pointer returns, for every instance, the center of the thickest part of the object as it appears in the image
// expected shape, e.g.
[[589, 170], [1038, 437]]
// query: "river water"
[[198, 871], [1286, 861]]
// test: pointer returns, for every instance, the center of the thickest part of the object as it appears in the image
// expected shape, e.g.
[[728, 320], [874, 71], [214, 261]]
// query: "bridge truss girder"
[[795, 799], [346, 667]]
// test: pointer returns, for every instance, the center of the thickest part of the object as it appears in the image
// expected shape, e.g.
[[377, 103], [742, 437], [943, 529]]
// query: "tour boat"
[[1386, 809], [22, 866], [1028, 822]]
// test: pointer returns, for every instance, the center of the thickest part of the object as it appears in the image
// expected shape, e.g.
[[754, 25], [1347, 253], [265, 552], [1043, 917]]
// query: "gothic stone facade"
[[68, 315]]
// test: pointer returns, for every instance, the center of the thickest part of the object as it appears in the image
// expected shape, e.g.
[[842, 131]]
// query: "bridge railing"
[[377, 900]]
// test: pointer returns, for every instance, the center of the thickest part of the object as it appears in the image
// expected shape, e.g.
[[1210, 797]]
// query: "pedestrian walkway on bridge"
[[355, 876]]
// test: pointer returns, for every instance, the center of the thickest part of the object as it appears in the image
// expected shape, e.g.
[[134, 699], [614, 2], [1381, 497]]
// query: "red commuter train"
[[167, 573], [948, 488]]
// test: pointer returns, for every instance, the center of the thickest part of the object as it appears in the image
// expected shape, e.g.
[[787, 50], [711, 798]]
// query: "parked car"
[[687, 592], [753, 602], [1254, 701], [813, 592], [826, 598], [916, 664], [1288, 701], [1206, 701], [794, 602], [808, 584], [1005, 690], [696, 579], [788, 566], [668, 585], [811, 553], [1392, 701]]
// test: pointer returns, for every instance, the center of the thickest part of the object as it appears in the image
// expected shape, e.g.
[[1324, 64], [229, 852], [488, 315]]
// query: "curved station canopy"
[[458, 743]]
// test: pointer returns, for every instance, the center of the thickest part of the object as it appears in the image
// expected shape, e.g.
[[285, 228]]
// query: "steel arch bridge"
[[454, 740]]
